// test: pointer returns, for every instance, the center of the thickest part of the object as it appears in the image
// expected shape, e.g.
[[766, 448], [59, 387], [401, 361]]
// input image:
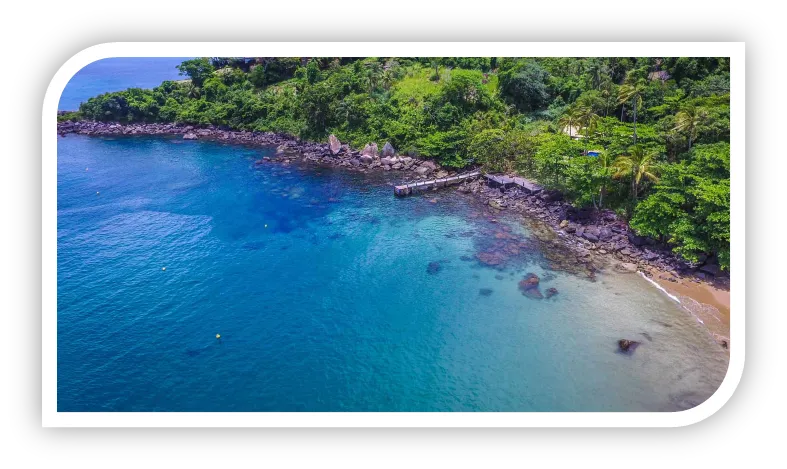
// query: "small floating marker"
[[96, 192], [163, 268], [218, 336], [85, 169], [266, 226]]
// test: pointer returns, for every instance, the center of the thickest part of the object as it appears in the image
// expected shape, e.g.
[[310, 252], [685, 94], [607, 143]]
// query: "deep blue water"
[[318, 281], [115, 74]]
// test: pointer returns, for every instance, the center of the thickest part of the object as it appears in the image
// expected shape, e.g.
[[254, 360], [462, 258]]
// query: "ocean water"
[[115, 74], [330, 294]]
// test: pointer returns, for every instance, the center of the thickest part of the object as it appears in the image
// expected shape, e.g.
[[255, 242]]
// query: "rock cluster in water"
[[589, 233], [287, 147]]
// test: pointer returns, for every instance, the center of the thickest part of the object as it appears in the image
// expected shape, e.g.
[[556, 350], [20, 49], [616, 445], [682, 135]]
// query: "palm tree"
[[374, 72], [192, 91], [632, 92], [604, 174], [388, 79], [568, 119], [688, 120], [587, 120], [638, 164]]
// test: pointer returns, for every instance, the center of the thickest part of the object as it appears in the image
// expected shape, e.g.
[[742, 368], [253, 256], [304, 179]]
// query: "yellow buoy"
[[218, 336]]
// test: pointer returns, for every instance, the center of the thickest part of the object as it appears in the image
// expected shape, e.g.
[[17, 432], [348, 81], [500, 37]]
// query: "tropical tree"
[[192, 91], [632, 92], [568, 121], [587, 119], [688, 120], [374, 72], [604, 175], [639, 163]]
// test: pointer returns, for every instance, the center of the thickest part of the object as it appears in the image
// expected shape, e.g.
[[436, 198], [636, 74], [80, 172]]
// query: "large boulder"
[[190, 136], [334, 143], [386, 160], [370, 149], [636, 240], [423, 170], [366, 159], [588, 235], [429, 165], [711, 269], [388, 149]]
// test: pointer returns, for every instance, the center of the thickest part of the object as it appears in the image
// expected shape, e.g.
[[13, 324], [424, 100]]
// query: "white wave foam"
[[659, 287]]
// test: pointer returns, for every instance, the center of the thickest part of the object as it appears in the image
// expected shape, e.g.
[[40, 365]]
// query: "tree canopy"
[[647, 136]]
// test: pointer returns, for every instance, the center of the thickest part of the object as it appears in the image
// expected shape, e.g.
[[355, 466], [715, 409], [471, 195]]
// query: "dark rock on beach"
[[627, 346]]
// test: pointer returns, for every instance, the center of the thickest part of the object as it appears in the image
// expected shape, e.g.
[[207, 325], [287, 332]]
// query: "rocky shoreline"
[[591, 235]]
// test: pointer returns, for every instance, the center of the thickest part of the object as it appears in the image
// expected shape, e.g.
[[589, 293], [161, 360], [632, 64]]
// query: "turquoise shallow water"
[[332, 306]]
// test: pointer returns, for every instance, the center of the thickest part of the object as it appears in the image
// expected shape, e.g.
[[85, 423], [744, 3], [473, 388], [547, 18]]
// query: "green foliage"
[[690, 206], [524, 84], [660, 126], [198, 70]]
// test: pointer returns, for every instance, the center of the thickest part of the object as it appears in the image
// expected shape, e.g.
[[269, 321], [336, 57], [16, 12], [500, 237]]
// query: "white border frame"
[[52, 418]]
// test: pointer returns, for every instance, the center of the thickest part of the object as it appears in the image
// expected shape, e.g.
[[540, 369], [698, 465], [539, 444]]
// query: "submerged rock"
[[485, 291], [552, 291], [490, 258], [433, 268], [531, 280], [529, 286], [627, 346]]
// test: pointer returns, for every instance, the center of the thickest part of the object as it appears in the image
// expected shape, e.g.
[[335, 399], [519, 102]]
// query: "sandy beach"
[[708, 302]]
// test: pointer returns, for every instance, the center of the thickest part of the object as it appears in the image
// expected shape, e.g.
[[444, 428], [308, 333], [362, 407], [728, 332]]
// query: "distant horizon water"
[[116, 74]]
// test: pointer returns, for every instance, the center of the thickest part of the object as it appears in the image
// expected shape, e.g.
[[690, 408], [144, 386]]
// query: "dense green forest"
[[647, 137]]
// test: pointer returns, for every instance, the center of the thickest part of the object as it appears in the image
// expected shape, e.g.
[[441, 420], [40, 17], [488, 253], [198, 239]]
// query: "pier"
[[413, 187], [505, 182]]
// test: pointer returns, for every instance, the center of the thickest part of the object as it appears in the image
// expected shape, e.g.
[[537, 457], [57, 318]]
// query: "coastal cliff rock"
[[334, 144]]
